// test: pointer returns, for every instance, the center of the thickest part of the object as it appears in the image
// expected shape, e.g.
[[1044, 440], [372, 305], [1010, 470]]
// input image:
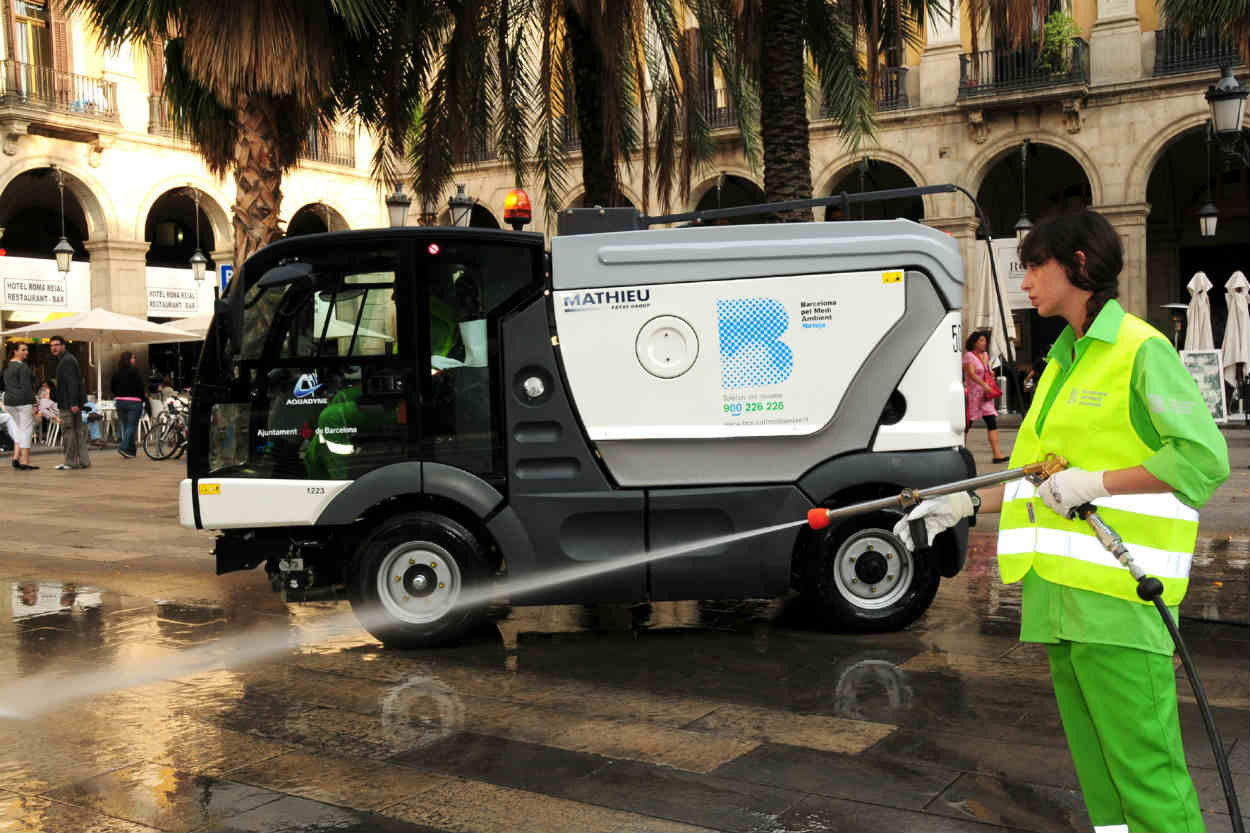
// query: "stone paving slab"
[[672, 716]]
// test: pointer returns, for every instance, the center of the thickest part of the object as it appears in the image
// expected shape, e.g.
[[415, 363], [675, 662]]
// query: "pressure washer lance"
[[1035, 473], [1150, 589]]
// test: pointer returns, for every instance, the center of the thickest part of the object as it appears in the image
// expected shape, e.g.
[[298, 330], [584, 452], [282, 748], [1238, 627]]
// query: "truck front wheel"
[[861, 578], [412, 577]]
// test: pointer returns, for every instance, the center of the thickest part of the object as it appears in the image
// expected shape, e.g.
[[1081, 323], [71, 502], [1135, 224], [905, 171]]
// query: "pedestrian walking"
[[1117, 403], [127, 388], [19, 403], [70, 395], [981, 389]]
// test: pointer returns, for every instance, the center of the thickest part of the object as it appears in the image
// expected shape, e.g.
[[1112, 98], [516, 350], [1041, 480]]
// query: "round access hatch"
[[667, 346]]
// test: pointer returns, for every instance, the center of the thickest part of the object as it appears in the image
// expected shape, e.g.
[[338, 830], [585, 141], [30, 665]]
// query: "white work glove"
[[939, 513], [1068, 489]]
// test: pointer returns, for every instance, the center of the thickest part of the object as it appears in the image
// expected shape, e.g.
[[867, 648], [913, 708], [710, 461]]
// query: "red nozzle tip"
[[818, 518]]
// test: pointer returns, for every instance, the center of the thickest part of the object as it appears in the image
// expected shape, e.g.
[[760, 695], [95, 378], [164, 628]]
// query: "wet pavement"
[[671, 716]]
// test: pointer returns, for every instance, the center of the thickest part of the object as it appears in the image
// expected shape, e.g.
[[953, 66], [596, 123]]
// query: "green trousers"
[[1119, 713]]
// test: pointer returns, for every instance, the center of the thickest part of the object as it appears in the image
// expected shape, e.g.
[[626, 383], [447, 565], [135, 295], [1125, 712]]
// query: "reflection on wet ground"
[[723, 715]]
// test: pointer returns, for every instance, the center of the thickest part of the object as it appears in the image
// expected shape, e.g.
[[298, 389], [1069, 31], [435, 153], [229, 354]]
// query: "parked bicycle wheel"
[[162, 440]]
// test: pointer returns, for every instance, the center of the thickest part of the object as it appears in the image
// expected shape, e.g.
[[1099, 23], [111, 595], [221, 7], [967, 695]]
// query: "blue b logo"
[[751, 352]]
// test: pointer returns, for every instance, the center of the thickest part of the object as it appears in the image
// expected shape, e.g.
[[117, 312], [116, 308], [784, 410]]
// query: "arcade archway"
[[1054, 183], [315, 218], [874, 175], [730, 191], [1175, 248]]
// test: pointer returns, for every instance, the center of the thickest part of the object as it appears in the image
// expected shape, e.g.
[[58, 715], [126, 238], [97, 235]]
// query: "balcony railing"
[[891, 91], [1177, 52], [478, 150], [43, 88], [332, 147], [1004, 70], [160, 122], [572, 139]]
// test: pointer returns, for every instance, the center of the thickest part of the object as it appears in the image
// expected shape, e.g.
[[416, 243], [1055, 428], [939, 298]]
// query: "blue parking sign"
[[226, 271]]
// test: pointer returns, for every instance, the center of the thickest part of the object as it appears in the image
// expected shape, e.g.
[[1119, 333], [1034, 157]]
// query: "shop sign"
[[173, 293], [1010, 272], [35, 287], [35, 292]]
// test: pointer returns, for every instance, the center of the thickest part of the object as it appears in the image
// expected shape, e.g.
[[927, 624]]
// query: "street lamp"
[[199, 263], [1227, 100], [1208, 216], [62, 251], [460, 206], [397, 206], [1024, 225]]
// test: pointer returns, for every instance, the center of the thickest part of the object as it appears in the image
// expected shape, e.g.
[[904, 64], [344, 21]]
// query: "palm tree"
[[523, 72], [247, 80], [1229, 17], [773, 46]]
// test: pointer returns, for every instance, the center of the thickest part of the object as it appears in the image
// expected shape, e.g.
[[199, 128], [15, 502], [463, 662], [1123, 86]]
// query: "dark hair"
[[1084, 231], [13, 348], [57, 338], [971, 342], [124, 361]]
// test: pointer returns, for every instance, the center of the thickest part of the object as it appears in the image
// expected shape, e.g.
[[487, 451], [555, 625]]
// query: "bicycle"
[[170, 432]]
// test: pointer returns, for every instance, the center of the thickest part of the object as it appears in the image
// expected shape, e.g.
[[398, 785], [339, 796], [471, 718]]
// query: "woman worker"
[[1117, 403]]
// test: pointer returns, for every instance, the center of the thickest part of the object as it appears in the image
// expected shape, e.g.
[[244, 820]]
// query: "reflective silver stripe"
[[1156, 562], [1020, 540], [1156, 505]]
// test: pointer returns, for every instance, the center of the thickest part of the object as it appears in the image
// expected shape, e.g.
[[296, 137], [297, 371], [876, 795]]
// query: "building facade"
[[1115, 121], [136, 195]]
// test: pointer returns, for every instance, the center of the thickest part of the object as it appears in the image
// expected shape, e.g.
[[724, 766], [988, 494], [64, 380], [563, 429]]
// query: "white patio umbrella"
[[197, 324], [1236, 345], [1198, 336], [103, 327], [986, 312]]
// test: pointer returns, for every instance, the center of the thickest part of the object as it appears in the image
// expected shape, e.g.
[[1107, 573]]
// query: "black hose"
[[1151, 590]]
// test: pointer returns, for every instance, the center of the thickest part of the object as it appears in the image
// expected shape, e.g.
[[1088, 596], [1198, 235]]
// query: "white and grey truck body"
[[632, 391]]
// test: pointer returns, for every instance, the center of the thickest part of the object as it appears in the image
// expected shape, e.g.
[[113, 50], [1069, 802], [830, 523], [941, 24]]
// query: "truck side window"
[[469, 288]]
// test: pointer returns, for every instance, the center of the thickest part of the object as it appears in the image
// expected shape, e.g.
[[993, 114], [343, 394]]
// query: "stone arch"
[[211, 202], [325, 213], [832, 172], [1143, 165], [481, 216], [979, 167], [699, 191], [577, 191], [101, 215]]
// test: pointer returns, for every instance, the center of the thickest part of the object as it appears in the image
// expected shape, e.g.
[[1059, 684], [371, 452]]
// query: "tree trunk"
[[598, 163], [257, 177], [783, 107]]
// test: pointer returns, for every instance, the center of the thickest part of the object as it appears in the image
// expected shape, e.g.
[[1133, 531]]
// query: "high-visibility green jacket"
[[1089, 424]]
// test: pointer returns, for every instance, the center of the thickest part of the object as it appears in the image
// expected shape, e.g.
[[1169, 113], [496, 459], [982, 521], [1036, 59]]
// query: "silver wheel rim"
[[865, 556], [418, 582]]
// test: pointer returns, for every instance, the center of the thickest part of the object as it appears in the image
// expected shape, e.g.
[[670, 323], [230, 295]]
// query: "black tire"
[[157, 443], [418, 550], [852, 579]]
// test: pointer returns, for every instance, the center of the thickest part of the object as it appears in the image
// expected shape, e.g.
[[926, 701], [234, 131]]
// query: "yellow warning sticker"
[[210, 488], [891, 277]]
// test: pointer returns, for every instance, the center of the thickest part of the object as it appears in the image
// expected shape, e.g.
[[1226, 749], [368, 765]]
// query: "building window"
[[34, 37]]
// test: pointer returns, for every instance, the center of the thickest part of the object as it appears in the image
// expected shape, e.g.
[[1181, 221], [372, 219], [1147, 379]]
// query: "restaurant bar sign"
[[173, 293], [35, 292]]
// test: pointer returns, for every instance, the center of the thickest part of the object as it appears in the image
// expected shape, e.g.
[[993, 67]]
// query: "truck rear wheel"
[[409, 577], [862, 578]]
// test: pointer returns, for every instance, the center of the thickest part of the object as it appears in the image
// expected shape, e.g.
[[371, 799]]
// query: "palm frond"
[[550, 97], [846, 92]]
